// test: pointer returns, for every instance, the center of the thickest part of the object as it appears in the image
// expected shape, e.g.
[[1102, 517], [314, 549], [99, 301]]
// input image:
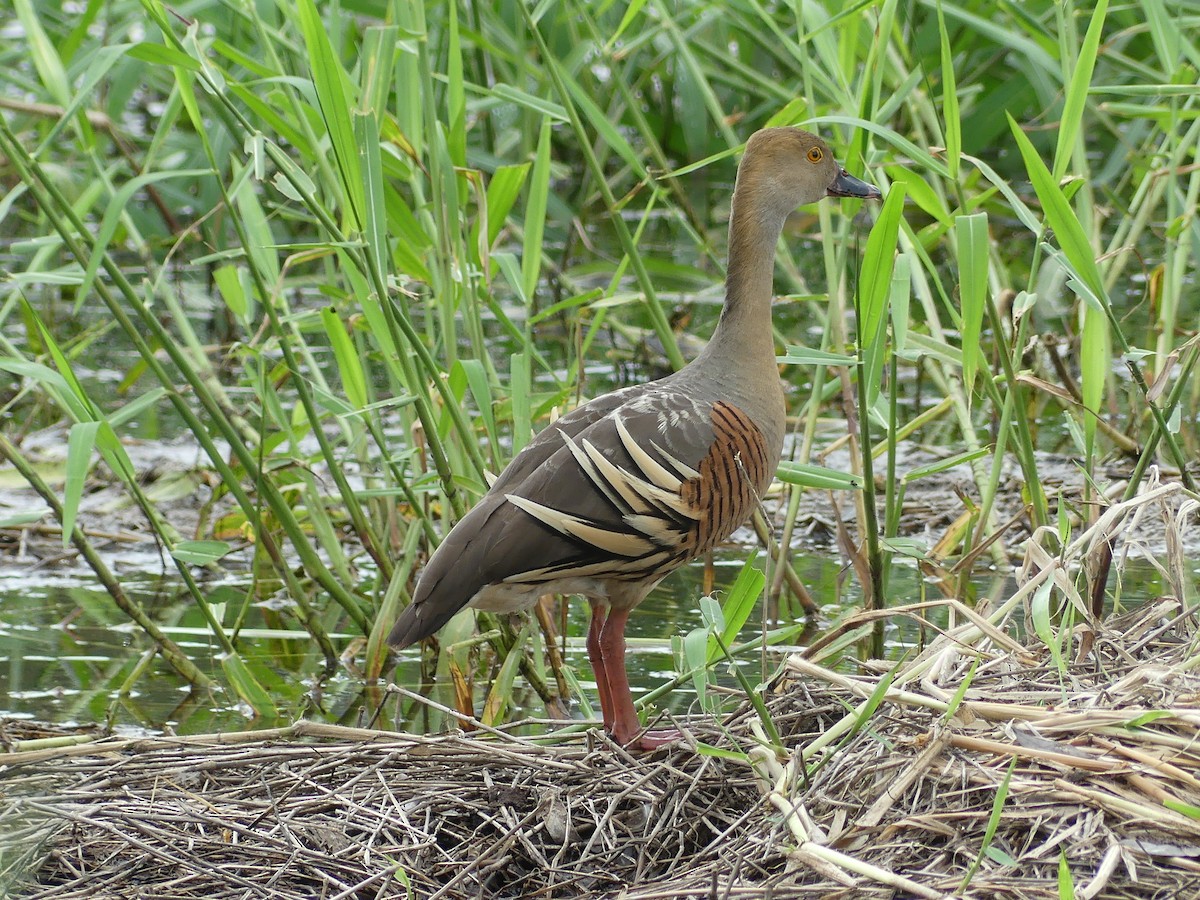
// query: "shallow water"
[[67, 656]]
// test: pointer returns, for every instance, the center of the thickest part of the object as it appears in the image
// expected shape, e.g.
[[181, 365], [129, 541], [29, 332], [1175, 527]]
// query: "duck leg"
[[620, 719], [599, 614]]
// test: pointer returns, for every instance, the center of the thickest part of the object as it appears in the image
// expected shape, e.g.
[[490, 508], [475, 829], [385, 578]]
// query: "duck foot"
[[652, 740]]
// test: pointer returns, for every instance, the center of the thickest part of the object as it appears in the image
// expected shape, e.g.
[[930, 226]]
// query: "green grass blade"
[[879, 257], [736, 610], [201, 553], [1059, 216], [971, 234], [374, 195], [960, 692], [522, 413], [806, 356], [243, 682], [42, 53], [631, 13], [1040, 614], [535, 213], [817, 477], [501, 690], [951, 121], [354, 379], [696, 661], [944, 464], [378, 63], [1077, 91], [80, 444], [333, 95], [1066, 885], [503, 189], [481, 389], [989, 832]]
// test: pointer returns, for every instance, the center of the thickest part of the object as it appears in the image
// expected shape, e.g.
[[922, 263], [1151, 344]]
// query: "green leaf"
[[695, 660], [1081, 77], [260, 242], [522, 415], [631, 13], [502, 687], [43, 375], [874, 287], [246, 686], [790, 113], [720, 753], [950, 115], [547, 108], [1000, 856], [535, 214], [200, 553], [1148, 718], [922, 159], [910, 547], [898, 302], [333, 90], [16, 520], [961, 691], [971, 236], [943, 464], [1039, 612], [736, 610], [374, 195], [112, 218], [228, 279], [1087, 281], [377, 69], [502, 192], [795, 355], [994, 820], [40, 51], [162, 55], [481, 389], [354, 379], [818, 477], [1059, 216], [1095, 360], [510, 268], [80, 444], [609, 133], [1066, 886], [455, 97], [1185, 809]]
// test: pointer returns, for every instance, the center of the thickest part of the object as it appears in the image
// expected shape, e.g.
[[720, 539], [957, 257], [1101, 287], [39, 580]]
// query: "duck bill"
[[846, 185]]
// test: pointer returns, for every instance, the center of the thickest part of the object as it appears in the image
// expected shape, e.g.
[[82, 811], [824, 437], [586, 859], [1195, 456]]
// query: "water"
[[68, 656]]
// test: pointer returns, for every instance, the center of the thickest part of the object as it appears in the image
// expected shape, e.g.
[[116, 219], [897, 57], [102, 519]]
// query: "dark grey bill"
[[846, 185]]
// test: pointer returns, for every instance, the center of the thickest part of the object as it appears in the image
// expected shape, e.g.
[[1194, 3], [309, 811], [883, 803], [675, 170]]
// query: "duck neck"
[[743, 334]]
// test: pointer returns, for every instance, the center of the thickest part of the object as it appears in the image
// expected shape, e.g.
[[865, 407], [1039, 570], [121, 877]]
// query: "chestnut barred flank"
[[663, 513]]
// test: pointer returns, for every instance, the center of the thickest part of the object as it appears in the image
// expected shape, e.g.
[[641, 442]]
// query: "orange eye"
[[815, 155]]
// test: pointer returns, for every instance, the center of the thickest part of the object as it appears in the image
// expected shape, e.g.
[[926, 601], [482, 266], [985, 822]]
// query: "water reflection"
[[66, 655]]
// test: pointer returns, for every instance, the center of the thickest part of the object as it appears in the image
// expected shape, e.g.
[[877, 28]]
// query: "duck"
[[618, 493]]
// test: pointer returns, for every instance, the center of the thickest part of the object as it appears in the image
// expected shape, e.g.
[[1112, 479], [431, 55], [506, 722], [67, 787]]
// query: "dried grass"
[[889, 788]]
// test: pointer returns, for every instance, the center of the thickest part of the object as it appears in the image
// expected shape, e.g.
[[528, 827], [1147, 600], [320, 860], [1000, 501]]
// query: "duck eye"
[[815, 155]]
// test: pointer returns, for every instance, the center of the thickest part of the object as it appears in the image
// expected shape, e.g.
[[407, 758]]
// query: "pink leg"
[[624, 728], [599, 614]]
